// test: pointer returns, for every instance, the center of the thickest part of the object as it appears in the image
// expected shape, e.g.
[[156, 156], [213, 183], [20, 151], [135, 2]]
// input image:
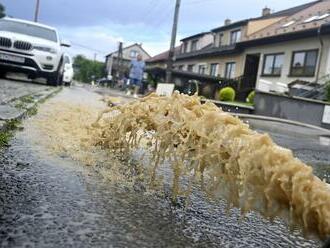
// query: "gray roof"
[[293, 10], [124, 48], [195, 36], [209, 51], [286, 12]]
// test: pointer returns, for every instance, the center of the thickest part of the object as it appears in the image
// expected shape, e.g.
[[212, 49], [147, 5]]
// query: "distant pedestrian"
[[137, 68]]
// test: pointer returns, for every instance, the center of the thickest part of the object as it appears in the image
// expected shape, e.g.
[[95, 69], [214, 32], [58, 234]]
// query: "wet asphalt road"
[[51, 201]]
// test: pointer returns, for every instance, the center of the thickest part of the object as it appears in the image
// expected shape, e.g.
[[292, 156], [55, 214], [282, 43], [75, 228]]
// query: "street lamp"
[[36, 13]]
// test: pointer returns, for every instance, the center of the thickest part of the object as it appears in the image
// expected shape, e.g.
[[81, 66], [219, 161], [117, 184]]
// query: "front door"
[[251, 70]]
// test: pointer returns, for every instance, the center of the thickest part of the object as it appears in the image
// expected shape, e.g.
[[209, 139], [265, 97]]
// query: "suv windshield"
[[67, 60], [28, 29]]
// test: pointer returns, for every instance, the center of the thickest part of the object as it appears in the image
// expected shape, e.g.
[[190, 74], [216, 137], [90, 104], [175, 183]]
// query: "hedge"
[[227, 94]]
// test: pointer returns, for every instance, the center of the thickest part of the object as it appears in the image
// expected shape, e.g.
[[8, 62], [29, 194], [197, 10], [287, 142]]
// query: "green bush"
[[227, 94], [250, 98], [327, 91]]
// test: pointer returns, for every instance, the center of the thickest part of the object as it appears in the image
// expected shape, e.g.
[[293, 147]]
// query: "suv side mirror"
[[65, 43]]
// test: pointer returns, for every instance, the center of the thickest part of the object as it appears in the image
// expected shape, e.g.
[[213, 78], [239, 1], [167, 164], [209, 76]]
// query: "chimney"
[[266, 11], [227, 22]]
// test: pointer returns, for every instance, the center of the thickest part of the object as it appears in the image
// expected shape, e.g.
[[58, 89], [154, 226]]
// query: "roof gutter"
[[319, 35]]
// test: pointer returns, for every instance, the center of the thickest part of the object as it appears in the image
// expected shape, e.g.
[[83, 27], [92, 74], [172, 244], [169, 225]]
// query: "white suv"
[[68, 70], [31, 48]]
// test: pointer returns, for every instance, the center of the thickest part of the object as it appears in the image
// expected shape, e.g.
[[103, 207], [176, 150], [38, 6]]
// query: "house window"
[[288, 24], [230, 70], [191, 68], [323, 16], [221, 40], [66, 60], [304, 63], [180, 67], [316, 18], [133, 54], [213, 69], [313, 18], [194, 45], [273, 64], [202, 69], [185, 47], [235, 36]]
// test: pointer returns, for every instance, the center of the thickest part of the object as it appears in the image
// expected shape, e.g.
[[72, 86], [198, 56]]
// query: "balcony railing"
[[209, 51]]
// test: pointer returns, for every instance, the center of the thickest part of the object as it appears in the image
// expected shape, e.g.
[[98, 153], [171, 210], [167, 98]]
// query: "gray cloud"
[[100, 24]]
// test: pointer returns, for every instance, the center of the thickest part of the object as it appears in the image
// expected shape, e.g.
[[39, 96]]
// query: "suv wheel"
[[54, 79], [2, 74]]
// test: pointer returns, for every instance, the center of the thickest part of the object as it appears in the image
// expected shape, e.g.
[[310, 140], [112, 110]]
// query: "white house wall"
[[126, 55], [203, 41], [288, 48], [220, 60], [127, 52]]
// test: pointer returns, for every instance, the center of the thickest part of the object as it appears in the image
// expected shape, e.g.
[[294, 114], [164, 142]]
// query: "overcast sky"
[[100, 24]]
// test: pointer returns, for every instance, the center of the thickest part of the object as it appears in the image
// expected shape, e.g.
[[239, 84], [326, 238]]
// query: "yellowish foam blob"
[[219, 150], [200, 142]]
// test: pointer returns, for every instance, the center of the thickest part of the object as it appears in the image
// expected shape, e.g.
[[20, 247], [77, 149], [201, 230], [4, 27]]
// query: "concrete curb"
[[322, 131], [22, 113], [116, 93], [216, 102]]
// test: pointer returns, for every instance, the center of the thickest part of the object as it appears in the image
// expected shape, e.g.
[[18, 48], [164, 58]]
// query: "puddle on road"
[[62, 127]]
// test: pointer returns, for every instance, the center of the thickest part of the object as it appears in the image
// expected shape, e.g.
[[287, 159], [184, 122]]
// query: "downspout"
[[319, 34], [214, 39]]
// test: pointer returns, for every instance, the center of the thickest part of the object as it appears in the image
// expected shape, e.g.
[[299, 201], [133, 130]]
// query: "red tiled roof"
[[162, 56]]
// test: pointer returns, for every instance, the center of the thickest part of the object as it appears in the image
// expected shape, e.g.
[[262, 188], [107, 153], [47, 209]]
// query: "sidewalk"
[[18, 98], [11, 89], [110, 92]]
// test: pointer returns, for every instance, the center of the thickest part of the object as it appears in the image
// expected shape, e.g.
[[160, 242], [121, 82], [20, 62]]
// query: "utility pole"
[[120, 60], [173, 40], [36, 13]]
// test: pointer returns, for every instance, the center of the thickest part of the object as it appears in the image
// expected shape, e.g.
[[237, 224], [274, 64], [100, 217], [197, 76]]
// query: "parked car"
[[31, 48], [106, 82], [68, 70]]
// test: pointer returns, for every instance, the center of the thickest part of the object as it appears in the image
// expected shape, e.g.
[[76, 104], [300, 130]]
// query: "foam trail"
[[220, 151]]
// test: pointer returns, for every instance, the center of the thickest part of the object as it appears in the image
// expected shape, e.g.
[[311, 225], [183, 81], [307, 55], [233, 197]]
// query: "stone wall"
[[290, 108]]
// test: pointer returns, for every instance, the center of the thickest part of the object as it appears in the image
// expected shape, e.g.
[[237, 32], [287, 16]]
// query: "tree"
[[2, 11], [86, 69]]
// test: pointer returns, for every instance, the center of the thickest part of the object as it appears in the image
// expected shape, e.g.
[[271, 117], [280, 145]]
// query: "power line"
[[152, 6], [162, 12], [200, 1], [161, 17], [89, 48], [166, 15]]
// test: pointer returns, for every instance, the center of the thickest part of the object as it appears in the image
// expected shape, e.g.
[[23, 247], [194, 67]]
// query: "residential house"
[[226, 58], [196, 42], [275, 48], [297, 47], [128, 54], [157, 65]]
